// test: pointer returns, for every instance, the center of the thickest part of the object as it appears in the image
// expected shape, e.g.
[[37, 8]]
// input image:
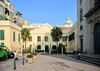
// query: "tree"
[[56, 34], [25, 33]]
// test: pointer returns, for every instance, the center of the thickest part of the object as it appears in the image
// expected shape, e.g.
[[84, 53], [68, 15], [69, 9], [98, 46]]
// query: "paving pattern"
[[57, 63]]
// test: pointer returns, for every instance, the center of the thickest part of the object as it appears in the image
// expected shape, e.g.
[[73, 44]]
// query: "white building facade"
[[88, 14]]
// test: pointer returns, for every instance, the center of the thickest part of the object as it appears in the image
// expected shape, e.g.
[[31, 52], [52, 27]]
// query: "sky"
[[54, 12]]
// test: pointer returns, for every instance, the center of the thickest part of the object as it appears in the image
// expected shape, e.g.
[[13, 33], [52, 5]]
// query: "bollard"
[[23, 61], [14, 65]]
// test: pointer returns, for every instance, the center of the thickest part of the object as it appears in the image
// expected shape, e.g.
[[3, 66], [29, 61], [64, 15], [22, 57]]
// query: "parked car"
[[11, 54], [3, 52]]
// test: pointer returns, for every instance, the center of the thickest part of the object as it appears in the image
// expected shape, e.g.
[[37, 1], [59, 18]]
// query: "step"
[[92, 60]]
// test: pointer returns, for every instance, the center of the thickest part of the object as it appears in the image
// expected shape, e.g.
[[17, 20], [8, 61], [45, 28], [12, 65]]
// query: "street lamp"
[[34, 47], [50, 49]]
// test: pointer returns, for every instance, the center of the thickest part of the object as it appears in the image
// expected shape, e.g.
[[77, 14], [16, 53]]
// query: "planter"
[[35, 57], [30, 60]]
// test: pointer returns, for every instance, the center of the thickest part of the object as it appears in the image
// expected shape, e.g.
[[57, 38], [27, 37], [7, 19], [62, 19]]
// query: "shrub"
[[29, 56], [34, 53], [39, 50]]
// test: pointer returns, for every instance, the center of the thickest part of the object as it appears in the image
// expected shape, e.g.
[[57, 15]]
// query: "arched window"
[[81, 27], [81, 14], [39, 47], [54, 47]]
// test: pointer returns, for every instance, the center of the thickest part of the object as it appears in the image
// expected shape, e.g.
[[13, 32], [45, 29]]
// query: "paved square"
[[57, 63]]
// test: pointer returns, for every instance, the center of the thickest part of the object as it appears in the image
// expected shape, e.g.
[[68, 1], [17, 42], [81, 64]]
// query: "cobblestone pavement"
[[57, 63]]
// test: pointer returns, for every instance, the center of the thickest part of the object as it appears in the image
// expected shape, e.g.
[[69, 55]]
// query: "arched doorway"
[[97, 38]]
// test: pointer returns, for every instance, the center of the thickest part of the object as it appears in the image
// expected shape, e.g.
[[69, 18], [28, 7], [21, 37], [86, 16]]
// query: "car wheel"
[[4, 58]]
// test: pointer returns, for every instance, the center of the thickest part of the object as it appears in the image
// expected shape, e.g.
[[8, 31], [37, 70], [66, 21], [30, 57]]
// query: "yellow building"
[[69, 36], [72, 40], [40, 38], [10, 35]]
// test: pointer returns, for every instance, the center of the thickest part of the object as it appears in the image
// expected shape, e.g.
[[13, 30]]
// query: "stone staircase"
[[91, 59]]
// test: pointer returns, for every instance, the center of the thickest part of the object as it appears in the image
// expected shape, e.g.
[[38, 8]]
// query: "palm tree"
[[56, 34], [25, 35]]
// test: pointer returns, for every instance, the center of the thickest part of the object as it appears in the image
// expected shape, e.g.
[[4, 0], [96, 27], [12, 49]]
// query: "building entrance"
[[97, 38], [81, 42], [46, 48]]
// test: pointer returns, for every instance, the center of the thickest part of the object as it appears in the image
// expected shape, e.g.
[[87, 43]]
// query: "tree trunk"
[[25, 44], [57, 46]]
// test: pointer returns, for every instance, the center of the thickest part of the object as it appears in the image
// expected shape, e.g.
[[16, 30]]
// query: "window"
[[13, 36], [39, 38], [80, 1], [18, 37], [46, 38], [39, 47], [64, 38], [23, 46], [54, 47], [30, 47], [72, 36], [30, 38], [81, 27], [1, 43], [2, 1], [1, 34], [81, 14]]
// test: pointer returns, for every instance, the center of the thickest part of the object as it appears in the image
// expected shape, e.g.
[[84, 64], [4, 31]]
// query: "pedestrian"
[[15, 55], [79, 53]]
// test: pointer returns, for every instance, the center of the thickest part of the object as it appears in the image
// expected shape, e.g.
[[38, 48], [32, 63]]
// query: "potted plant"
[[35, 55], [30, 58]]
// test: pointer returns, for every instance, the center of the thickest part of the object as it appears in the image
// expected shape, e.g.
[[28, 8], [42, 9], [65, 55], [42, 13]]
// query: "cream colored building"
[[40, 38], [72, 41], [10, 26], [10, 35]]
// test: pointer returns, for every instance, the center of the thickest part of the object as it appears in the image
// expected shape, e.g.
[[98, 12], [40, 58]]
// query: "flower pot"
[[30, 60], [35, 57]]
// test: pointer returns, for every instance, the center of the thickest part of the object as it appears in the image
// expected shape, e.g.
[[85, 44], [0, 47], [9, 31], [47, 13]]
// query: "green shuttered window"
[[1, 34], [2, 43], [13, 36], [18, 37]]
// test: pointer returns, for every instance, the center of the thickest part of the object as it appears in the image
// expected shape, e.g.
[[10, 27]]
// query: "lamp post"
[[62, 50], [34, 47], [44, 48], [50, 49]]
